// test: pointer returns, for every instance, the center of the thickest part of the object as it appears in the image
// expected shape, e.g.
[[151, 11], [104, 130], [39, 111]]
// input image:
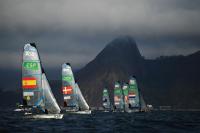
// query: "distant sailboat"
[[125, 89], [38, 99], [68, 88], [118, 98], [106, 100], [74, 101], [136, 101]]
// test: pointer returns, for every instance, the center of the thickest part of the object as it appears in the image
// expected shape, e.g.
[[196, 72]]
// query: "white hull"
[[22, 109], [46, 116], [87, 112], [19, 110]]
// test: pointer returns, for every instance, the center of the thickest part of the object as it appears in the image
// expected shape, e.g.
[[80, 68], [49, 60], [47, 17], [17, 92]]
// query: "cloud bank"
[[76, 30]]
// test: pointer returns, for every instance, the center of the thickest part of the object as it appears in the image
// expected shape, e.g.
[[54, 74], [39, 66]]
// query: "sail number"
[[67, 78], [31, 65]]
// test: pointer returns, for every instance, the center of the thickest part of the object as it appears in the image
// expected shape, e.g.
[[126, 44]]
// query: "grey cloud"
[[77, 30], [142, 17]]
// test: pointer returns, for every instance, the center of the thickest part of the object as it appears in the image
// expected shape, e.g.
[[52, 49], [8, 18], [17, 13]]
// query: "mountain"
[[114, 62], [169, 80]]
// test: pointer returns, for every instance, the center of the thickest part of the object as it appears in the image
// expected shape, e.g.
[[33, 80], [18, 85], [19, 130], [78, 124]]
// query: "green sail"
[[68, 88], [118, 97], [37, 92], [125, 89]]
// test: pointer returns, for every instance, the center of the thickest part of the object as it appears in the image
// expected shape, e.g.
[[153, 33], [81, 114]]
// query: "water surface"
[[99, 122]]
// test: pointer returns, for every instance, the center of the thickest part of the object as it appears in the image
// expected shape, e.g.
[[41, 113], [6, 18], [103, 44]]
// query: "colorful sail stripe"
[[131, 95], [67, 78], [67, 90], [29, 83]]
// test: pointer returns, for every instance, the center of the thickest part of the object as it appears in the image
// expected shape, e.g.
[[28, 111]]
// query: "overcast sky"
[[77, 30]]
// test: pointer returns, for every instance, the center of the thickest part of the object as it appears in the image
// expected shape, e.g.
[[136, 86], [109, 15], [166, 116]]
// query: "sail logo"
[[28, 94], [67, 78], [126, 99], [66, 70], [31, 65], [125, 87], [132, 82], [116, 98], [132, 95], [67, 97], [117, 92], [30, 54], [29, 83], [117, 86], [67, 90]]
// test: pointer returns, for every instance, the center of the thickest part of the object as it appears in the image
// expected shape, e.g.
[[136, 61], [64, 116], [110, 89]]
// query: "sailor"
[[46, 111], [24, 102]]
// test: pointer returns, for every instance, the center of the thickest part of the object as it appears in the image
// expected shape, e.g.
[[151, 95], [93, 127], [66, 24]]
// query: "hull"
[[44, 116], [132, 111], [80, 112]]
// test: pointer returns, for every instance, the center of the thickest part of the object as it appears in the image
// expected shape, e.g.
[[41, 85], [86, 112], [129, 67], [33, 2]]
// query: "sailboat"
[[38, 99], [74, 101], [106, 100], [118, 98], [134, 96], [125, 89]]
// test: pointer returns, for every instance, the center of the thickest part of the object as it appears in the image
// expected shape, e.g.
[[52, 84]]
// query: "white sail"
[[81, 101], [36, 90], [50, 101], [31, 77], [68, 87]]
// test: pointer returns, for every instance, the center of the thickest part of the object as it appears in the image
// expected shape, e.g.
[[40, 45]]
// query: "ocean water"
[[100, 122]]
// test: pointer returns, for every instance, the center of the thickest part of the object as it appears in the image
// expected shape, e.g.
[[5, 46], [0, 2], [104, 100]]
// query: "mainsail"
[[68, 87], [36, 90], [118, 97], [81, 100], [125, 93], [32, 77], [133, 94], [106, 100]]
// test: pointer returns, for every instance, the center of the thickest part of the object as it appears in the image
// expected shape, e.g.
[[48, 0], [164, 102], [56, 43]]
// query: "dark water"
[[152, 122]]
